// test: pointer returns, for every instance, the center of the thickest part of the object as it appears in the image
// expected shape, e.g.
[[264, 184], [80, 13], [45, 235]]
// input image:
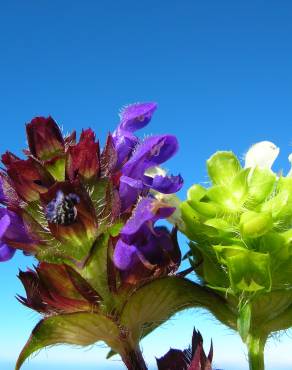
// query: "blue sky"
[[221, 72]]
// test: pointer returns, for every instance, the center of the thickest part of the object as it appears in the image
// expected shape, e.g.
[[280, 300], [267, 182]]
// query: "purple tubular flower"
[[11, 230], [152, 152], [141, 241], [133, 118]]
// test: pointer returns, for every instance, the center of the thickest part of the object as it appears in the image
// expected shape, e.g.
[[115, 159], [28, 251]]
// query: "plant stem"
[[134, 360], [256, 346]]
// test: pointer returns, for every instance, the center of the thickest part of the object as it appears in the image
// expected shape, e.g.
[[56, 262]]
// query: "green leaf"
[[222, 167], [79, 328], [158, 300]]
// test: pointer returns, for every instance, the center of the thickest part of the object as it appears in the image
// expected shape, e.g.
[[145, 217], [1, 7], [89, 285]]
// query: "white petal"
[[155, 171], [262, 155], [172, 201]]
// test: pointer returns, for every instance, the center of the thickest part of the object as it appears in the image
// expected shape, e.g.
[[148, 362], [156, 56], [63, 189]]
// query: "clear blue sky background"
[[221, 72]]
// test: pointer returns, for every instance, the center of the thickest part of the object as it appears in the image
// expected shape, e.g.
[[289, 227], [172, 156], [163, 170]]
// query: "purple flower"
[[193, 358], [142, 243], [151, 153], [12, 231], [133, 117]]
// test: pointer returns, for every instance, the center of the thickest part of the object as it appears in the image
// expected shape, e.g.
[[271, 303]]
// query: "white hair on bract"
[[262, 155]]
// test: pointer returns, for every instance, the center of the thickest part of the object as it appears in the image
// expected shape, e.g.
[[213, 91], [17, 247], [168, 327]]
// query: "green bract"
[[241, 232]]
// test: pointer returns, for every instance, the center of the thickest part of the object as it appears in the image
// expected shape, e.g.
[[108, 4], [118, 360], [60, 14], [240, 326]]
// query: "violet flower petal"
[[12, 229], [164, 184], [4, 223], [147, 210], [124, 145], [6, 252], [125, 255], [152, 152], [136, 116], [129, 191], [16, 230]]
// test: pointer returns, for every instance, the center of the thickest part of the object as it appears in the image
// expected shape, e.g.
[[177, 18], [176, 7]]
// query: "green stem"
[[256, 347]]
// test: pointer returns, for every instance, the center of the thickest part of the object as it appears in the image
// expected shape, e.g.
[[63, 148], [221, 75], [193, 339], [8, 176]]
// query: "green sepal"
[[223, 252], [223, 195], [260, 185], [56, 168], [249, 271], [222, 226], [95, 270], [196, 192], [276, 246], [213, 273], [192, 228], [254, 224], [244, 320], [239, 185], [276, 205], [222, 167], [206, 209], [115, 229], [81, 329]]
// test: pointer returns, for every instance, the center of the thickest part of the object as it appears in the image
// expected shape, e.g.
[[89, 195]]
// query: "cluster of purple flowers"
[[54, 194]]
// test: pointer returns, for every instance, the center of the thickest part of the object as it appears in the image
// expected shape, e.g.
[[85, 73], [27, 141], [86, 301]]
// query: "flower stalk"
[[134, 360], [256, 346]]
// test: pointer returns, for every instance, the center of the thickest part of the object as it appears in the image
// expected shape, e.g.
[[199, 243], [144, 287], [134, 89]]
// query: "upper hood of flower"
[[136, 116], [152, 152], [262, 155]]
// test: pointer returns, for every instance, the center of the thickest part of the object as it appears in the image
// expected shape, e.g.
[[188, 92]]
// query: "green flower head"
[[240, 229]]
